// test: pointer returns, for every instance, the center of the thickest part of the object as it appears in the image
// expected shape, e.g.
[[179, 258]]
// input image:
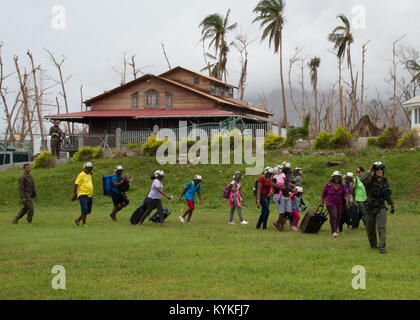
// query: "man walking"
[[378, 192], [360, 197], [27, 193], [119, 197], [83, 190], [56, 138]]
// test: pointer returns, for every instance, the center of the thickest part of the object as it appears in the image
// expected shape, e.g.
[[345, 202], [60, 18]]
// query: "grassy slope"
[[208, 259]]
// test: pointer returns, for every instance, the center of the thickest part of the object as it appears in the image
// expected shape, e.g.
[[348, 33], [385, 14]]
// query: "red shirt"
[[266, 185]]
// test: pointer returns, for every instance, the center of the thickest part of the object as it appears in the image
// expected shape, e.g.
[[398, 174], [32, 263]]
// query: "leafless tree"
[[241, 44], [62, 82], [166, 56]]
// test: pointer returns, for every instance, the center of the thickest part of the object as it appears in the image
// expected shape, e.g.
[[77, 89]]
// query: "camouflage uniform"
[[56, 141], [27, 193], [377, 192]]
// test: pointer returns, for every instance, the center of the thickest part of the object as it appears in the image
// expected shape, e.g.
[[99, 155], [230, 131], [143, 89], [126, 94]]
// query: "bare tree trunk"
[[133, 66], [362, 90], [292, 61], [63, 89], [166, 56], [37, 102], [24, 91], [282, 81], [340, 89]]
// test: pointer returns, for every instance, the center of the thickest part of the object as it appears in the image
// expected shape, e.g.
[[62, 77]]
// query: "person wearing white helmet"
[[153, 200], [335, 194], [378, 192], [360, 196], [263, 189], [283, 202], [119, 198], [190, 189], [83, 190], [297, 205], [236, 198]]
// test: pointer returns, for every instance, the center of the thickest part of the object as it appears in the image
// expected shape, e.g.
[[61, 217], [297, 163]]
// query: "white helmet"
[[299, 189], [88, 165], [198, 178], [337, 174], [119, 168], [237, 173], [269, 170], [349, 175], [160, 173], [286, 165]]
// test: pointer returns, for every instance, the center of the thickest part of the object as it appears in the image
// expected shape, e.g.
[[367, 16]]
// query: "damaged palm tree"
[[366, 128]]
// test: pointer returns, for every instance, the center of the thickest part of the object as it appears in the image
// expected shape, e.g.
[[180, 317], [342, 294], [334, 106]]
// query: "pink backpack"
[[226, 192]]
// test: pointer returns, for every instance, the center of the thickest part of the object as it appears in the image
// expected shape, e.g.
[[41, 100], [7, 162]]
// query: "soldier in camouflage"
[[27, 193], [56, 138], [378, 191]]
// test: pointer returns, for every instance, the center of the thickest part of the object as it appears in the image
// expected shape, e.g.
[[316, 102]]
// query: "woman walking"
[[263, 196], [153, 200], [334, 195], [236, 198]]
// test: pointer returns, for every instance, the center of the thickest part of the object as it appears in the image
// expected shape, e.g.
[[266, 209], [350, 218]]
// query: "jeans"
[[362, 212], [85, 204], [265, 212]]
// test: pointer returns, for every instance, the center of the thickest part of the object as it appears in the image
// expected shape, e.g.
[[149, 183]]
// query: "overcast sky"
[[99, 31]]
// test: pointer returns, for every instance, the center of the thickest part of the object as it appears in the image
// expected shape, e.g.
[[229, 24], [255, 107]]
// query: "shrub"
[[134, 146], [389, 138], [409, 140], [272, 141], [322, 140], [341, 139], [372, 142], [44, 160], [152, 145], [88, 153]]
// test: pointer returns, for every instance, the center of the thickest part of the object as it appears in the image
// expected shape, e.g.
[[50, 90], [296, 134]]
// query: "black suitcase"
[[155, 217], [313, 221], [136, 216]]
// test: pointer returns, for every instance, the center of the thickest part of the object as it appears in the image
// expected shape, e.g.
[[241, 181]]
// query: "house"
[[164, 100], [414, 105]]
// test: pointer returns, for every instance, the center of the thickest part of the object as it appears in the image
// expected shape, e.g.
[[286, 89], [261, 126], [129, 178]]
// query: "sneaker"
[[181, 218], [76, 222], [113, 217], [232, 223], [295, 229], [335, 235], [382, 250], [244, 223], [15, 221], [139, 224]]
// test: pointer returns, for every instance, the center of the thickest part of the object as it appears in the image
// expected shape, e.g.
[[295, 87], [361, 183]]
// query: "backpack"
[[107, 184], [226, 192], [125, 186]]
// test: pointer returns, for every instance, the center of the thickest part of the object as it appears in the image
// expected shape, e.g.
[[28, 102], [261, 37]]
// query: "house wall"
[[188, 77], [181, 98]]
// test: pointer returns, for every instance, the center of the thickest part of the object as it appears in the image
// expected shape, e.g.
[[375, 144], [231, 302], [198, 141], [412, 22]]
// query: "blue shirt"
[[192, 189], [116, 178]]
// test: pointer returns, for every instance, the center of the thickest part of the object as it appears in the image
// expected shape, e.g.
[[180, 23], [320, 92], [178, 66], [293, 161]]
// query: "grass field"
[[208, 259]]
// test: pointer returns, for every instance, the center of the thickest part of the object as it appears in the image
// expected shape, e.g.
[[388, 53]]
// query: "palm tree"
[[271, 15], [342, 39], [415, 67], [294, 134], [313, 67], [214, 28]]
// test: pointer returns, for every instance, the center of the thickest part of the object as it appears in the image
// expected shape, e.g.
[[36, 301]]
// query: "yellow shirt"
[[85, 186]]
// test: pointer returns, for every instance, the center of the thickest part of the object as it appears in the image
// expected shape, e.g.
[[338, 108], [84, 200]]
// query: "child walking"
[[297, 205], [236, 197], [189, 192]]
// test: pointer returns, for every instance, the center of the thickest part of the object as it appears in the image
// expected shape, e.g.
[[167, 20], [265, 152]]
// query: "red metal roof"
[[144, 113]]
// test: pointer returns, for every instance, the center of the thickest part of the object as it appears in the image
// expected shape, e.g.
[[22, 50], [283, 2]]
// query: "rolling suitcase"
[[155, 218], [136, 216], [313, 221]]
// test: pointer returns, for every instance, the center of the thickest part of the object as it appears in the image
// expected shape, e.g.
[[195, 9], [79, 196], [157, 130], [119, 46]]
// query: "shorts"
[[283, 204], [191, 204], [118, 198], [85, 204]]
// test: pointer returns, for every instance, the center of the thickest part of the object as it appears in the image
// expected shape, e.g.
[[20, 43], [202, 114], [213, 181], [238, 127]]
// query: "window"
[[213, 89], [135, 101], [196, 80], [417, 116], [230, 92], [168, 100], [112, 125], [152, 99]]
